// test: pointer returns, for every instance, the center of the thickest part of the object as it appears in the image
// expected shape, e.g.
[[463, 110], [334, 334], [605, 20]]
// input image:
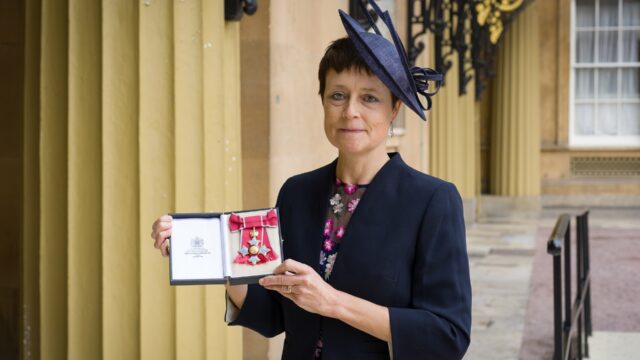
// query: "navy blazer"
[[404, 248]]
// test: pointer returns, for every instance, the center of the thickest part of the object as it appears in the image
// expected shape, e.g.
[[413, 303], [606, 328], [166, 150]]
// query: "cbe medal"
[[254, 244]]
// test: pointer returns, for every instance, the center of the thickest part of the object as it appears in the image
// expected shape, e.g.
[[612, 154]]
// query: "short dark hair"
[[341, 55]]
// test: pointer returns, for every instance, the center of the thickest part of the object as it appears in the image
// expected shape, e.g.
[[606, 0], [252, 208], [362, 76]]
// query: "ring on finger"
[[289, 289]]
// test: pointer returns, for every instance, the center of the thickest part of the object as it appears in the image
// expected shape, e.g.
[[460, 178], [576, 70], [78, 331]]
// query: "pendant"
[[254, 244], [253, 250]]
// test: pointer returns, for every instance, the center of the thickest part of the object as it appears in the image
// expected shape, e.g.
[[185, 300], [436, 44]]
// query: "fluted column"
[[222, 155], [53, 94], [189, 146], [157, 176], [515, 134], [120, 181], [132, 110], [452, 130], [84, 193]]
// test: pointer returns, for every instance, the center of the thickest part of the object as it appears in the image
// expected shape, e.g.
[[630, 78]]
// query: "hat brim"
[[384, 61]]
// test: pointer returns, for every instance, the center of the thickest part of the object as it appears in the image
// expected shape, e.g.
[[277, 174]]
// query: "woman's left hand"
[[301, 284]]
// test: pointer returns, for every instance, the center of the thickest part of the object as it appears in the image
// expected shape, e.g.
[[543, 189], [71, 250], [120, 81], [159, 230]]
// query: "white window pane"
[[584, 83], [584, 46], [608, 13], [586, 13], [631, 46], [608, 46], [607, 119], [631, 83], [630, 121], [631, 12], [607, 83], [584, 119]]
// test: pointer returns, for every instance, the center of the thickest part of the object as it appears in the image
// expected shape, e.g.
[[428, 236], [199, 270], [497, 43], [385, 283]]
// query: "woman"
[[376, 256]]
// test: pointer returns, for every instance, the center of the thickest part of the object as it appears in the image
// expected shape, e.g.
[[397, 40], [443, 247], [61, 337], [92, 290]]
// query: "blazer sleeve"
[[261, 311], [437, 323], [262, 308]]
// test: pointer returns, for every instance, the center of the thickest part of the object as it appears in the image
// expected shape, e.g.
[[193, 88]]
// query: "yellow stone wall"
[[555, 152], [256, 102], [554, 35], [132, 110]]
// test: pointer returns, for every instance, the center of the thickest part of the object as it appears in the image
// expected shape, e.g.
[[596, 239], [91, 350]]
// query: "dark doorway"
[[11, 99], [485, 138]]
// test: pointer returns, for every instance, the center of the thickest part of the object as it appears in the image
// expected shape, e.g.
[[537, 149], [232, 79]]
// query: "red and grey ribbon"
[[254, 249]]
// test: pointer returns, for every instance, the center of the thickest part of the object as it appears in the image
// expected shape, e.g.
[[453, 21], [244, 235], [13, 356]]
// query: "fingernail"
[[261, 282]]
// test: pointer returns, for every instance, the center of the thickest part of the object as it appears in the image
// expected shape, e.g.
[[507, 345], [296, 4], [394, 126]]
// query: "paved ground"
[[502, 253], [610, 345]]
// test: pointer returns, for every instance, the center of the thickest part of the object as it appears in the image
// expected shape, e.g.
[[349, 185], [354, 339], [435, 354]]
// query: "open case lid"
[[196, 249]]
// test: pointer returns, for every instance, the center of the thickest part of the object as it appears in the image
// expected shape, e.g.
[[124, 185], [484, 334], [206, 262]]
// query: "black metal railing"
[[571, 332]]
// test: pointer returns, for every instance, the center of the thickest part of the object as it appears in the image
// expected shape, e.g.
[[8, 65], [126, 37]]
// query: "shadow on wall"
[[9, 323]]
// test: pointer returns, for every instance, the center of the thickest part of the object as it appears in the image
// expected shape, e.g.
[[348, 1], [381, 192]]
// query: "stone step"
[[628, 185], [609, 345]]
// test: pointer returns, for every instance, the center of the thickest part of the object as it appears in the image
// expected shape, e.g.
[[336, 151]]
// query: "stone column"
[[52, 165], [132, 110], [515, 134], [453, 146]]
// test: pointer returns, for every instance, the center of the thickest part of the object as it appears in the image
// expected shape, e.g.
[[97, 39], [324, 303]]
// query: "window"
[[605, 78]]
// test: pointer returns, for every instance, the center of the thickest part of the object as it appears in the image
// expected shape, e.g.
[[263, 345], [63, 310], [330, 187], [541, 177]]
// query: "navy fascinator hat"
[[389, 61]]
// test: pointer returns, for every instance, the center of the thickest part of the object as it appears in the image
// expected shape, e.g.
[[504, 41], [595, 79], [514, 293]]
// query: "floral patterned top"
[[342, 205]]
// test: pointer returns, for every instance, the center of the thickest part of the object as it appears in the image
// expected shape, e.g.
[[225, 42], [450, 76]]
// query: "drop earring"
[[390, 134]]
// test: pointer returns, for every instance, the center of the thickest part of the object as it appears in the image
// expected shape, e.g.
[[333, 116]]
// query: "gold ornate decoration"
[[468, 29], [489, 13]]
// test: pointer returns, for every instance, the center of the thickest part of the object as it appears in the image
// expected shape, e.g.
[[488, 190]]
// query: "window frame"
[[605, 141]]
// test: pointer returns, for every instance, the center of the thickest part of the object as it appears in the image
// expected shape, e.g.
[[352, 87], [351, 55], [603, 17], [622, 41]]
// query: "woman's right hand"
[[160, 233]]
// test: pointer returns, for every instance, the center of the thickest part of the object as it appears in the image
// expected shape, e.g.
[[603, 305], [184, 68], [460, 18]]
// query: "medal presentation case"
[[216, 248]]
